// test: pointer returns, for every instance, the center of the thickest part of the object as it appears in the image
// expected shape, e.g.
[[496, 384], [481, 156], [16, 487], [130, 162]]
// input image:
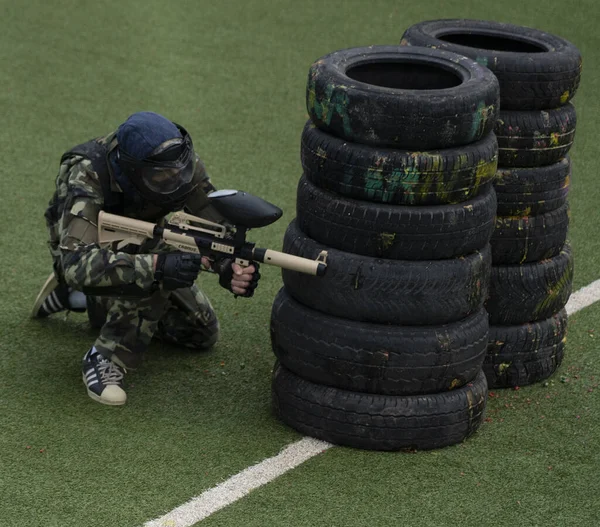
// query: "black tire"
[[377, 358], [532, 191], [395, 176], [403, 98], [535, 138], [536, 70], [527, 353], [531, 204], [530, 292], [533, 180], [378, 422], [521, 240], [397, 232], [382, 291]]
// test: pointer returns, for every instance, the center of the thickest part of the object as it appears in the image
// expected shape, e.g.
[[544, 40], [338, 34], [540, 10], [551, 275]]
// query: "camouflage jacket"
[[72, 220]]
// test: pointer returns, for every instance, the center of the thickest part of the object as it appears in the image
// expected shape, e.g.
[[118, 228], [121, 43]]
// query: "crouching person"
[[145, 169]]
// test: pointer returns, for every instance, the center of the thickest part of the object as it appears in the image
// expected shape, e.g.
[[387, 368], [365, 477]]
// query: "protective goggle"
[[166, 170]]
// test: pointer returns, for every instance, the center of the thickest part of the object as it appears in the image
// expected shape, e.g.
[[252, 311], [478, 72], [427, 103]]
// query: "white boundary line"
[[236, 487], [584, 297]]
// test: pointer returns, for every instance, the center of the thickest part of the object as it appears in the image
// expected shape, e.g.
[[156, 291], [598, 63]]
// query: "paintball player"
[[146, 169]]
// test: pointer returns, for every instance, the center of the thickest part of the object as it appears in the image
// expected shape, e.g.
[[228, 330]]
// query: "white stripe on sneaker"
[[49, 306], [57, 300], [54, 304]]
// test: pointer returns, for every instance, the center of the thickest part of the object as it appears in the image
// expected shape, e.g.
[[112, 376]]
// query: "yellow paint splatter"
[[453, 384], [471, 403], [527, 211], [321, 153], [387, 239], [503, 367], [564, 97]]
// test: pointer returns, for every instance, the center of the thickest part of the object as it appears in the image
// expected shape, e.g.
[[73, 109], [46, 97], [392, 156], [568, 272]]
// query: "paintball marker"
[[196, 235]]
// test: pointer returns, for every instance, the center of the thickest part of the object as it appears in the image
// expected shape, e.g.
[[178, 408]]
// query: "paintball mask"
[[164, 176]]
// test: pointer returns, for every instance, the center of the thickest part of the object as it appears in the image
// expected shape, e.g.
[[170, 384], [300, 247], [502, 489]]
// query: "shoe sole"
[[99, 399], [49, 286]]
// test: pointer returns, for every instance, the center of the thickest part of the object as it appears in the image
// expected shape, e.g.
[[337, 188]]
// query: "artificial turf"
[[534, 462], [233, 73]]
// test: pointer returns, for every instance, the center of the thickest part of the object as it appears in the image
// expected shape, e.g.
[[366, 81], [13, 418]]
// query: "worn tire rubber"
[[400, 292], [531, 203], [536, 70], [417, 98], [399, 177], [533, 180], [526, 239], [378, 422], [527, 353], [535, 138], [530, 292], [377, 358], [532, 191], [397, 232]]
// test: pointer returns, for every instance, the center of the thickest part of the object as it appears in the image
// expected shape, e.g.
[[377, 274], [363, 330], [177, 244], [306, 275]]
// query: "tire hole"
[[494, 43], [404, 76]]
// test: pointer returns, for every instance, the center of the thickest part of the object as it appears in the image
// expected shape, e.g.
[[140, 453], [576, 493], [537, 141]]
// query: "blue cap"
[[143, 132]]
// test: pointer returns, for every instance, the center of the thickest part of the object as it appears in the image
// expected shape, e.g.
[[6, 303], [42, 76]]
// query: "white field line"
[[238, 486], [584, 297]]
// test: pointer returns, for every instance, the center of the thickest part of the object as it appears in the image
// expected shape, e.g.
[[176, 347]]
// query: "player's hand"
[[245, 279], [242, 281], [177, 270]]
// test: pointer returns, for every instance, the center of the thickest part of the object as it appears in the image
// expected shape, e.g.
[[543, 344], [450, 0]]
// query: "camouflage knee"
[[129, 326], [97, 310], [190, 320]]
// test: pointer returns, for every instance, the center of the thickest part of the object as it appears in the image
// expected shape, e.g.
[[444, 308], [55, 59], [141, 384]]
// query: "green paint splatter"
[[376, 183], [480, 119], [333, 100], [409, 177]]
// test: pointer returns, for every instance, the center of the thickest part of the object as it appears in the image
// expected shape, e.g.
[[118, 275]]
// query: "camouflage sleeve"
[[202, 175], [84, 262]]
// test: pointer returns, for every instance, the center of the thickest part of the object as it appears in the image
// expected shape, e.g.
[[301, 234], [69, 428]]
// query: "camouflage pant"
[[183, 317]]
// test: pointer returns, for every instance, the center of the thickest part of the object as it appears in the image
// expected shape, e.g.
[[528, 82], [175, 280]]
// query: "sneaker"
[[103, 379], [53, 298]]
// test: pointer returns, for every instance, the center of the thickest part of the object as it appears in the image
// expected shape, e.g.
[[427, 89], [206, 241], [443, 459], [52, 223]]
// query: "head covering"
[[143, 132], [156, 162]]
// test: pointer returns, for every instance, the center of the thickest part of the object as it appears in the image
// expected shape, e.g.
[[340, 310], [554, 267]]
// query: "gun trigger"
[[322, 257]]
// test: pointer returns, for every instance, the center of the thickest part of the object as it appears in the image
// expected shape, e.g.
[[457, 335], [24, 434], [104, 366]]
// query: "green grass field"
[[233, 73]]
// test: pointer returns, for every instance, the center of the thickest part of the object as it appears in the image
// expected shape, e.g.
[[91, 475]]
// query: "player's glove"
[[177, 270], [223, 267]]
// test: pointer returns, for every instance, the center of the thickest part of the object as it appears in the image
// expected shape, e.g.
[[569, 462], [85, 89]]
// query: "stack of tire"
[[532, 263], [385, 351]]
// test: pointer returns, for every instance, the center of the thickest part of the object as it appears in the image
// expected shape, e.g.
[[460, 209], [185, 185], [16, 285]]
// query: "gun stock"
[[113, 228]]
